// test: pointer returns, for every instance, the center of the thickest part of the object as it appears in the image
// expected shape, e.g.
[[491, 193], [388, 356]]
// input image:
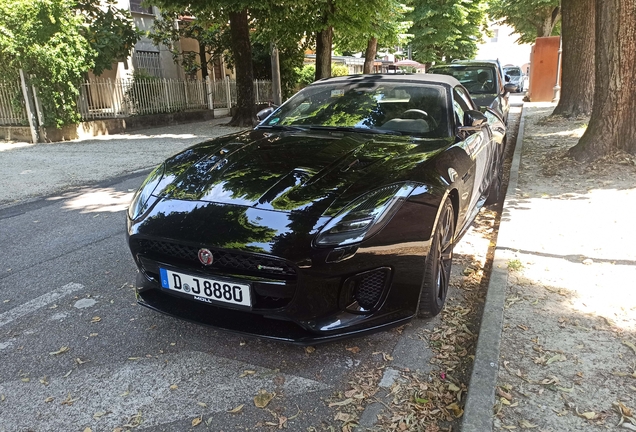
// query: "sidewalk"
[[30, 170], [557, 347]]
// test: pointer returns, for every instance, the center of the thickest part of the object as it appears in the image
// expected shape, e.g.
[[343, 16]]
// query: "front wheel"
[[437, 267]]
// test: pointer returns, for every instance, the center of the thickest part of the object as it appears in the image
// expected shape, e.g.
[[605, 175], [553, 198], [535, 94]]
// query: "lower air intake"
[[365, 291]]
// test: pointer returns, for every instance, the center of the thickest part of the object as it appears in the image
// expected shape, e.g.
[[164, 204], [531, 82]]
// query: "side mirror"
[[473, 122], [510, 88], [475, 119], [507, 78], [264, 113]]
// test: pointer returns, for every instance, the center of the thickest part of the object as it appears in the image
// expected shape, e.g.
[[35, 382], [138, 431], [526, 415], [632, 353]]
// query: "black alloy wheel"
[[494, 189], [437, 268]]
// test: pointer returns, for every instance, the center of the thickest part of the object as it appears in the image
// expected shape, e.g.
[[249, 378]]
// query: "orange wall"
[[543, 69]]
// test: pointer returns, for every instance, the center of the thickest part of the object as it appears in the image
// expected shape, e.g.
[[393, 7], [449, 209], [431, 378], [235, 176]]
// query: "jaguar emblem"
[[206, 257]]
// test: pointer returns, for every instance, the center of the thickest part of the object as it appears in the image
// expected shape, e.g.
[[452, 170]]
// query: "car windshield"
[[476, 79], [400, 108], [513, 72]]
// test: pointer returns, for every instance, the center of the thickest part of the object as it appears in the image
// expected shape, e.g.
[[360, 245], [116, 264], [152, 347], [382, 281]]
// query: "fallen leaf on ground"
[[309, 349], [88, 429], [99, 414], [558, 357], [174, 387], [246, 373], [60, 351], [197, 421], [263, 398], [343, 417], [202, 404], [68, 401], [631, 345], [527, 425], [237, 409], [342, 403], [95, 319], [354, 349], [457, 411], [452, 387], [49, 399]]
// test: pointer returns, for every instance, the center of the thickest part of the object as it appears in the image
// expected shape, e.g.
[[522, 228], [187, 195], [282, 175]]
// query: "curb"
[[478, 411]]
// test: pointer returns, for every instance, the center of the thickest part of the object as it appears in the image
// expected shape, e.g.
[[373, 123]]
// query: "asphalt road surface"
[[77, 352]]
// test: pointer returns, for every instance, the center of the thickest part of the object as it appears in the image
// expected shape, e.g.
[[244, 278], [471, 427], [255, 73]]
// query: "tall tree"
[[237, 14], [530, 18], [384, 26], [58, 43], [213, 38], [612, 125], [447, 29], [577, 88]]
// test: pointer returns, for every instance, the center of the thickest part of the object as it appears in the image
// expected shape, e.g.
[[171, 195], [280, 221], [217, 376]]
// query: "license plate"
[[206, 289]]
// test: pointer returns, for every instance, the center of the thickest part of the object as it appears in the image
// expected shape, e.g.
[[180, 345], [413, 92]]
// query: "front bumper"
[[316, 296]]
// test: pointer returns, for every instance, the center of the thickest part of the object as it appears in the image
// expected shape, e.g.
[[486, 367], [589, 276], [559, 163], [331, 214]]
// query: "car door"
[[478, 146]]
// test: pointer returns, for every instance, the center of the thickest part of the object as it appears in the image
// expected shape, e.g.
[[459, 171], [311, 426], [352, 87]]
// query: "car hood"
[[484, 100], [291, 171]]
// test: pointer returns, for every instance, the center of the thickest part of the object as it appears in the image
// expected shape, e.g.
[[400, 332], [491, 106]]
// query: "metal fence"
[[12, 109], [106, 98]]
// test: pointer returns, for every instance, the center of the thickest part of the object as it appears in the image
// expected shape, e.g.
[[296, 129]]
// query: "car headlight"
[[140, 201], [364, 217]]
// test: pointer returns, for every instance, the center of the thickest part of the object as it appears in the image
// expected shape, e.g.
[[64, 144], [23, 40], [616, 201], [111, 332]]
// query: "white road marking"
[[164, 389], [38, 303]]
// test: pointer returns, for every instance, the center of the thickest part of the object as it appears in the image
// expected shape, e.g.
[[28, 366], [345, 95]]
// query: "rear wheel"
[[437, 267]]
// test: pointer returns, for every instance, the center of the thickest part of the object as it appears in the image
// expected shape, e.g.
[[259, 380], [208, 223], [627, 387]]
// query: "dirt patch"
[[569, 337]]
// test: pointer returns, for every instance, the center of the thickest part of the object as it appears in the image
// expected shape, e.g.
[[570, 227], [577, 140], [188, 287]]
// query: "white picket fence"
[[12, 109], [106, 98]]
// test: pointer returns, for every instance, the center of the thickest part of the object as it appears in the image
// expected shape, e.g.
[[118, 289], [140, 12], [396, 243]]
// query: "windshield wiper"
[[283, 127], [356, 129]]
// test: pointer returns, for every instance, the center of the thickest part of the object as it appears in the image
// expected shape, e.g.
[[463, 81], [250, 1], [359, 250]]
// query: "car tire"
[[437, 268], [494, 189]]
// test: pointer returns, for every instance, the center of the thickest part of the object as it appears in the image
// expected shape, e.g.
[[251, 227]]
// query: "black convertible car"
[[336, 215]]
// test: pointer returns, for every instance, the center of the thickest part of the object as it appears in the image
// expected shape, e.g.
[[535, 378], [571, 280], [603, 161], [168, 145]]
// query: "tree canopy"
[[57, 43], [530, 18], [446, 30]]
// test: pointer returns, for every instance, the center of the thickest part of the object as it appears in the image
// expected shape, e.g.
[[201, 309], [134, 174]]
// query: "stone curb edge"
[[478, 411]]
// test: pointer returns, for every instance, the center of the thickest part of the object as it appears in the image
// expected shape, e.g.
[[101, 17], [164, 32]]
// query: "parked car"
[[337, 215], [516, 77], [484, 80]]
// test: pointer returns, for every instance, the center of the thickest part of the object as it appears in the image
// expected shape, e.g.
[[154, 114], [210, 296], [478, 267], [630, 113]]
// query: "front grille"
[[369, 290], [224, 260]]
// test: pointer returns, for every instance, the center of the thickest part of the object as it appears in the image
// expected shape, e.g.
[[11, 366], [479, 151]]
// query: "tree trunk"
[[324, 40], [612, 126], [203, 58], [577, 88], [369, 55], [245, 114]]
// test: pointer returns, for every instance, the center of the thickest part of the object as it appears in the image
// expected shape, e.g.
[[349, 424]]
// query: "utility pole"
[[276, 85]]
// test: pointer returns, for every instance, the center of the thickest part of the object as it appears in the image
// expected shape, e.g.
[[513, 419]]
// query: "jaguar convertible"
[[335, 216]]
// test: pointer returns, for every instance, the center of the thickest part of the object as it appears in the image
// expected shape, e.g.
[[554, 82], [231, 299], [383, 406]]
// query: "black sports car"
[[335, 216]]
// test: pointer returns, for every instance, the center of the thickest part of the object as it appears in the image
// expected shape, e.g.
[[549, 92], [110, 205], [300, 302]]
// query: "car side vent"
[[364, 292]]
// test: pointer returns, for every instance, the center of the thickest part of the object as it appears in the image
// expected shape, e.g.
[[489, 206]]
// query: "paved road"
[[78, 352], [66, 281]]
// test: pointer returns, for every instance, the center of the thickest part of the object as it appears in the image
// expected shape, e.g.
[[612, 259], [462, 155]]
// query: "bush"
[[307, 73]]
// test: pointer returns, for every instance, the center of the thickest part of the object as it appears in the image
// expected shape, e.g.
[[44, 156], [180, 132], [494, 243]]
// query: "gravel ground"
[[568, 349], [30, 170]]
